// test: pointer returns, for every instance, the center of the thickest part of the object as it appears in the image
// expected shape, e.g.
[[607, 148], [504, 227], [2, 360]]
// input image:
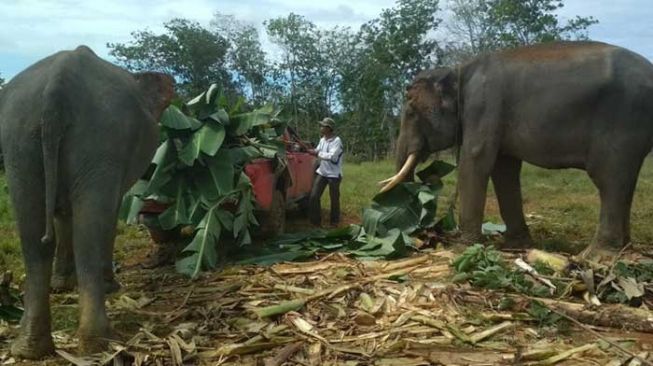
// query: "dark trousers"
[[315, 208]]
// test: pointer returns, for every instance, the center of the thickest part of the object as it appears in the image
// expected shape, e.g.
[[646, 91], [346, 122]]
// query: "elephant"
[[567, 104], [76, 133]]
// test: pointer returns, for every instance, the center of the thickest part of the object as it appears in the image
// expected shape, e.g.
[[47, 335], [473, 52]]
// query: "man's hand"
[[312, 152]]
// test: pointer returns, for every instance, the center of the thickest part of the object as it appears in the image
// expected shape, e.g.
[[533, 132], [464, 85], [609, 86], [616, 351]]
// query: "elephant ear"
[[157, 89], [435, 88], [421, 95]]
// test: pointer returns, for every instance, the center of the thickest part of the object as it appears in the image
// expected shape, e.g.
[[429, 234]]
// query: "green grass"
[[359, 185], [562, 208], [10, 255]]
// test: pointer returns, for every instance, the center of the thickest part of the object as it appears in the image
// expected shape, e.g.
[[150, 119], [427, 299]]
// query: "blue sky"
[[33, 29]]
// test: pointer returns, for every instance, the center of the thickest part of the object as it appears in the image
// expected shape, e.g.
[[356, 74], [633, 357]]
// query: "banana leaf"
[[433, 173], [202, 252], [222, 171], [130, 208], [408, 207], [10, 313], [221, 116], [242, 123], [177, 214], [276, 257], [175, 119], [207, 140], [394, 244], [165, 162]]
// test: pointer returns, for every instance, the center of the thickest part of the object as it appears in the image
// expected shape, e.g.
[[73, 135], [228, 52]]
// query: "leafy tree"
[[246, 58], [471, 27], [356, 76], [519, 22], [2, 81], [193, 54], [392, 48], [303, 71], [340, 50], [483, 25]]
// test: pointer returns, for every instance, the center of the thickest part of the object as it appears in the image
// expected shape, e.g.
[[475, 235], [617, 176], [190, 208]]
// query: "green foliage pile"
[[198, 171], [485, 267], [626, 283], [641, 272]]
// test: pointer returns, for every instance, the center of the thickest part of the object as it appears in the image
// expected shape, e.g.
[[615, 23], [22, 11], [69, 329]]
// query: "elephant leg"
[[507, 185], [473, 176], [112, 285], [616, 187], [64, 278], [94, 228], [626, 219], [34, 340]]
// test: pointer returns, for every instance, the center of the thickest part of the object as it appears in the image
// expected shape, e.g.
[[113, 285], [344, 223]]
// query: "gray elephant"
[[76, 133], [584, 105]]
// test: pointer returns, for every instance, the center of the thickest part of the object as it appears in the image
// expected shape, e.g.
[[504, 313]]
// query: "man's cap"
[[328, 122]]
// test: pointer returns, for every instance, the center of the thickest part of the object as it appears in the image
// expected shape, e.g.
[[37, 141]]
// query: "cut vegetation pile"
[[337, 310]]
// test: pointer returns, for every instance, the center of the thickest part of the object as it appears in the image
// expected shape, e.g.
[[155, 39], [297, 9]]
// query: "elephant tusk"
[[386, 181], [393, 181]]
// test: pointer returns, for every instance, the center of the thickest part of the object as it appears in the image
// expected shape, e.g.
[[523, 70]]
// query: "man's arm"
[[315, 151]]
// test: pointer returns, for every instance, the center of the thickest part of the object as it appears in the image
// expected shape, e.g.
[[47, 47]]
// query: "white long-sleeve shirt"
[[330, 152]]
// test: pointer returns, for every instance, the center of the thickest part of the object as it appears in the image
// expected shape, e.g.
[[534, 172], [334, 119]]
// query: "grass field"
[[561, 207]]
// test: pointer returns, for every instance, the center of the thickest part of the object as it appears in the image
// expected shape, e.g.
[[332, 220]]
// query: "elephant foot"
[[604, 248], [111, 286], [94, 343], [63, 283], [517, 241], [67, 283], [471, 238], [32, 347], [599, 253]]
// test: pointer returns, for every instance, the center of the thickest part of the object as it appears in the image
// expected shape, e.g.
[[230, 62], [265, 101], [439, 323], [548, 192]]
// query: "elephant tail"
[[51, 135]]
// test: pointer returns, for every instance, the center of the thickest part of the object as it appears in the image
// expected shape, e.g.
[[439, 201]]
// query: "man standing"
[[329, 153]]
